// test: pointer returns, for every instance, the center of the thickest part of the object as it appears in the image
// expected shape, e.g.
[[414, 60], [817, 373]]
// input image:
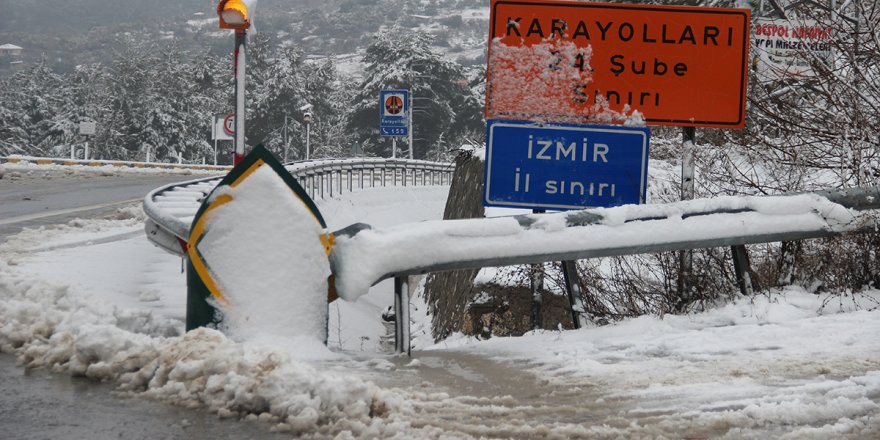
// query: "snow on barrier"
[[114, 163], [363, 256]]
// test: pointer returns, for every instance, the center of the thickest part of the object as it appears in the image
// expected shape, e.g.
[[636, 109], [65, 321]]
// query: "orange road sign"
[[588, 62]]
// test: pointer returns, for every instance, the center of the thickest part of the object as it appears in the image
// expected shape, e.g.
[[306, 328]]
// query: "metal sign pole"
[[214, 135], [741, 265], [536, 284], [409, 115], [685, 258], [240, 55], [285, 138]]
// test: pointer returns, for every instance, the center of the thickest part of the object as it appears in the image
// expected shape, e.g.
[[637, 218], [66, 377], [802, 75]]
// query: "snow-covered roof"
[[9, 47]]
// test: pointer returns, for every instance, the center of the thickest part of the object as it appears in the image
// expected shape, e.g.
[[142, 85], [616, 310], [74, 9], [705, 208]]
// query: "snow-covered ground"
[[94, 298]]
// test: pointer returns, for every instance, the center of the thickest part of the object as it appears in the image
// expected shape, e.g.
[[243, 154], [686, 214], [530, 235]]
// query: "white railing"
[[171, 208]]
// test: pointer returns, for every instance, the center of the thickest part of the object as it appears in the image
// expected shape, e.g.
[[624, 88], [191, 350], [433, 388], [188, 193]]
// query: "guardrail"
[[362, 257], [171, 208]]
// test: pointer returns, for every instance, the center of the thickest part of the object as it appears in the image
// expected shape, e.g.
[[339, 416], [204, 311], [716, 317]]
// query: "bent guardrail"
[[363, 256]]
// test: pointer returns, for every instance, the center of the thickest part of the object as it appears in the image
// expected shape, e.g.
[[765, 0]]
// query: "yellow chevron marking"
[[195, 258]]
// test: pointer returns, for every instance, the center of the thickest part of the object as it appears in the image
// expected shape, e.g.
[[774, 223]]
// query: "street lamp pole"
[[238, 15], [307, 119], [240, 58], [308, 129]]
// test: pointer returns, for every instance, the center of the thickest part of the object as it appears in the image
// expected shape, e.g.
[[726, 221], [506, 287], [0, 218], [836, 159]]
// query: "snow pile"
[[782, 366], [264, 251], [52, 327], [108, 169]]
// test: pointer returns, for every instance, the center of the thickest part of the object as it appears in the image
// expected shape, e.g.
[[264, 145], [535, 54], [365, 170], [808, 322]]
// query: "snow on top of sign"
[[540, 81], [287, 301], [549, 88]]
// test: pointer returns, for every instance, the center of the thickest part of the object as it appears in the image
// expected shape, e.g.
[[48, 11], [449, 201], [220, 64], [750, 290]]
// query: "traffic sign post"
[[570, 61], [564, 166], [87, 128], [222, 129], [394, 116], [394, 113], [566, 61]]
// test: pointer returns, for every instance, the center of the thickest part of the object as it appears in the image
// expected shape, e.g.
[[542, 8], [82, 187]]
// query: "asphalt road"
[[37, 198], [39, 404]]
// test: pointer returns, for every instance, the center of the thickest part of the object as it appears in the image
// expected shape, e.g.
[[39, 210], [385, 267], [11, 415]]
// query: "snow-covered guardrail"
[[363, 256], [114, 163], [171, 208]]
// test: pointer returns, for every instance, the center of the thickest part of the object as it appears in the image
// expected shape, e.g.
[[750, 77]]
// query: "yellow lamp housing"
[[236, 14]]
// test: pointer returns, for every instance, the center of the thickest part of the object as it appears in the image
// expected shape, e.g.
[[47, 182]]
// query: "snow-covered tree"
[[444, 108]]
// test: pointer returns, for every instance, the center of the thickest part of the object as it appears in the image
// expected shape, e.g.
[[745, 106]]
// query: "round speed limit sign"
[[229, 124]]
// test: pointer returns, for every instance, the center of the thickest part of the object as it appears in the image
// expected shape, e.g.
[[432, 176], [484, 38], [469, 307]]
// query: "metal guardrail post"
[[741, 269], [572, 287], [401, 315]]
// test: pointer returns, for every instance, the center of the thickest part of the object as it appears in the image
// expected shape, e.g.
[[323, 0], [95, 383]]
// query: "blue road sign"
[[564, 166], [394, 113]]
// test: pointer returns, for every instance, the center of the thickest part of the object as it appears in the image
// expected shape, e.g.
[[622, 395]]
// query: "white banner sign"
[[217, 133], [87, 128], [785, 48]]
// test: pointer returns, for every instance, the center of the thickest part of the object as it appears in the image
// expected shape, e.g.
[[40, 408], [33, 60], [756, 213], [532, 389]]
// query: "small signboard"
[[394, 113], [87, 128], [218, 131], [786, 48], [564, 166], [577, 62]]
